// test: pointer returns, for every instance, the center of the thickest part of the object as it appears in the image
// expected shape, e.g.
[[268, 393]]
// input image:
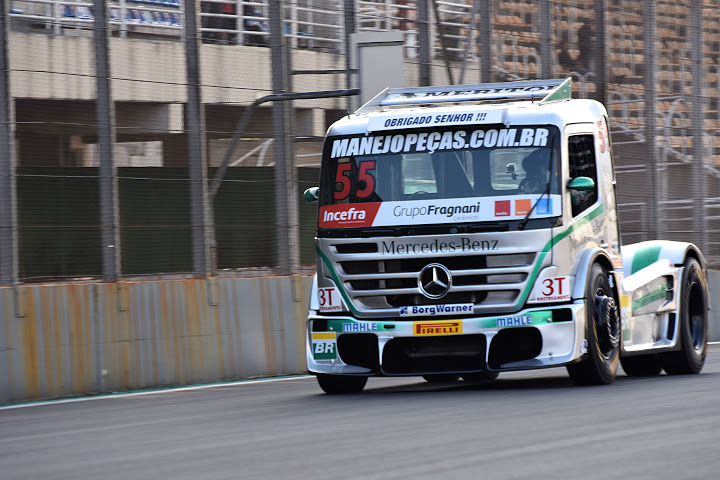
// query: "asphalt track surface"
[[523, 425]]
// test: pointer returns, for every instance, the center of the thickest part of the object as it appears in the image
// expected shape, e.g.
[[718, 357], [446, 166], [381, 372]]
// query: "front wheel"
[[599, 366], [693, 323], [341, 384]]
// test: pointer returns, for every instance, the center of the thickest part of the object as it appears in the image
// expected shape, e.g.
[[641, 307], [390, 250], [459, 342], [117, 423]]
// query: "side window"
[[581, 150]]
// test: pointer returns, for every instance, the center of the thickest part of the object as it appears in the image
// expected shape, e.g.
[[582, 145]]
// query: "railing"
[[311, 24], [58, 17]]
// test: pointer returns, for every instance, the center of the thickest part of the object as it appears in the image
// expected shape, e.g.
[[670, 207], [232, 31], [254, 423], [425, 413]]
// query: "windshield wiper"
[[524, 221]]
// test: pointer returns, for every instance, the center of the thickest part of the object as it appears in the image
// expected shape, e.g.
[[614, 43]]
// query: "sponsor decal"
[[523, 206], [324, 346], [414, 120], [544, 206], [514, 321], [502, 208], [348, 215], [329, 299], [430, 310], [583, 347], [419, 120], [474, 93], [440, 327], [556, 289], [395, 247], [625, 310], [360, 327], [434, 210], [437, 140], [625, 301], [430, 212]]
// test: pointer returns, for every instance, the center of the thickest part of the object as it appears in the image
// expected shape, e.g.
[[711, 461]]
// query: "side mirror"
[[582, 184], [311, 194], [510, 170]]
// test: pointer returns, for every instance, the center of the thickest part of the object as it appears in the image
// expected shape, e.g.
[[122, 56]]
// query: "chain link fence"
[[119, 115]]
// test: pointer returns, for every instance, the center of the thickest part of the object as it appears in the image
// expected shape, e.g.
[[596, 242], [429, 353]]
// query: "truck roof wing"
[[542, 90]]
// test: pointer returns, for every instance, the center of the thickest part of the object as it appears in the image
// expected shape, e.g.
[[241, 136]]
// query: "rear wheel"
[[641, 365], [693, 323], [599, 365], [341, 384]]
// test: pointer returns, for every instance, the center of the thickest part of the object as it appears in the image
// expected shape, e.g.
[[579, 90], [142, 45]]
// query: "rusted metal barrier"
[[75, 339]]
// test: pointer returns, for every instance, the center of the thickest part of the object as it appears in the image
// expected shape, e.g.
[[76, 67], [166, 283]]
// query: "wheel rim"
[[696, 314], [607, 325]]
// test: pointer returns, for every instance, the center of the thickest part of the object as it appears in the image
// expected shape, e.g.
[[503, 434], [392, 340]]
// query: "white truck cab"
[[468, 230]]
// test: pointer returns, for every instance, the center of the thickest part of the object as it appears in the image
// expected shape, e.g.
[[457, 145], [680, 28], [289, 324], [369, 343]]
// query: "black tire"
[[693, 323], [599, 366], [480, 376], [441, 377], [641, 365], [341, 384]]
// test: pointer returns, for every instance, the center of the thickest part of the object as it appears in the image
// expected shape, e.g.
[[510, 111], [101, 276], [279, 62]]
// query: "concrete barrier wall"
[[74, 339]]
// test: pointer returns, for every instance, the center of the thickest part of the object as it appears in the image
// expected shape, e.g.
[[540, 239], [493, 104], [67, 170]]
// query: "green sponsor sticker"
[[324, 346]]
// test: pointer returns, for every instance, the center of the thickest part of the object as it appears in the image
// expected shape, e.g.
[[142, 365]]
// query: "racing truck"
[[464, 231]]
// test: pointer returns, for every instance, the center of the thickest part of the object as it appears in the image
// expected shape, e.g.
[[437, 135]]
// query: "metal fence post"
[[202, 233], [423, 26], [106, 140], [286, 196], [349, 22], [599, 48], [8, 210], [469, 40], [485, 38], [649, 84], [546, 50], [698, 115]]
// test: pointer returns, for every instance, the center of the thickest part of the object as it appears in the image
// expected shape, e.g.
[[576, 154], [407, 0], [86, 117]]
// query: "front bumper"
[[532, 338]]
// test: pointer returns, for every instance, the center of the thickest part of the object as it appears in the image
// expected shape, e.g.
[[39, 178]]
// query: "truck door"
[[592, 214]]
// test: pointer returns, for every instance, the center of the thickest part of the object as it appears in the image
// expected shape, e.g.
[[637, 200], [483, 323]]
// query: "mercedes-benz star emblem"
[[434, 280]]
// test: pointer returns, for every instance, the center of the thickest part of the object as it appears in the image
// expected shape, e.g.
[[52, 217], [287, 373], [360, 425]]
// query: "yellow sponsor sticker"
[[439, 327], [625, 301], [323, 335]]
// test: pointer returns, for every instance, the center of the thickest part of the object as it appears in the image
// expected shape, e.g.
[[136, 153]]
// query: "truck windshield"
[[450, 175]]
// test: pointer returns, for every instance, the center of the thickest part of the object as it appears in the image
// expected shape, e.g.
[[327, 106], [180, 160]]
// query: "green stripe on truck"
[[645, 257]]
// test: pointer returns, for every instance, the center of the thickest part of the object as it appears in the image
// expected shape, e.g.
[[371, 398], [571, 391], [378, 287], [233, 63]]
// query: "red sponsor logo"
[[502, 208], [522, 207], [554, 290], [348, 216], [452, 327]]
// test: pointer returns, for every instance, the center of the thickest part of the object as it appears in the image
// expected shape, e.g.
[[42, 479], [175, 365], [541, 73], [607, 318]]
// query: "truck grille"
[[379, 284]]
